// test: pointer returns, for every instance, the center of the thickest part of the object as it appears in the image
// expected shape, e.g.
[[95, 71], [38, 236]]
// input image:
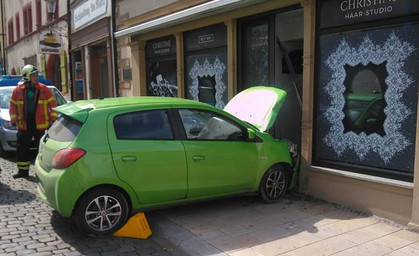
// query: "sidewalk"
[[297, 225]]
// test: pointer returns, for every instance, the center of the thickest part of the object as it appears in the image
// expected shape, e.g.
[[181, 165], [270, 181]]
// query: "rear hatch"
[[62, 133]]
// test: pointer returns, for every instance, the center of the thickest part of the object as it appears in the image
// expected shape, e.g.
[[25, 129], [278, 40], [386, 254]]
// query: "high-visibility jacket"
[[44, 115]]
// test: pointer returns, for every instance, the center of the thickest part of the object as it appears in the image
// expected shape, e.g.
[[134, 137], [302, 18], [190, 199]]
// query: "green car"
[[107, 158]]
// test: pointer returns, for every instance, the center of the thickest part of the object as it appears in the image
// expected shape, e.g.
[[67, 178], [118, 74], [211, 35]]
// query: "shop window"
[[206, 65], [367, 100], [364, 99], [161, 67]]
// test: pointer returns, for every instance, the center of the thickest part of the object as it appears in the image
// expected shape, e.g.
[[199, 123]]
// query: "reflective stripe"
[[50, 99], [13, 116], [23, 165], [42, 126]]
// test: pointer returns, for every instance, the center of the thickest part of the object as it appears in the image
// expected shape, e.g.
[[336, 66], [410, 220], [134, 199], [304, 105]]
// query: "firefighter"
[[31, 111]]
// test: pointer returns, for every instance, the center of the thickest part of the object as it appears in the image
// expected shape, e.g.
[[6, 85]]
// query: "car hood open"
[[257, 105]]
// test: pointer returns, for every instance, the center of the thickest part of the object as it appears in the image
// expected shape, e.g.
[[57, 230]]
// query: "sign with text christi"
[[335, 13]]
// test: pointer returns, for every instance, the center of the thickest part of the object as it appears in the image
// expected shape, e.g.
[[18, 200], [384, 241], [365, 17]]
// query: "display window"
[[161, 67], [206, 65], [366, 104]]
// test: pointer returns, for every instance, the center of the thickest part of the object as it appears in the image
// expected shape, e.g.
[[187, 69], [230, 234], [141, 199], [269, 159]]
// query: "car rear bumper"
[[58, 189]]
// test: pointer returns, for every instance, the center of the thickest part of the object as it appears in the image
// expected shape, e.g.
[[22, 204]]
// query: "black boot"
[[21, 174]]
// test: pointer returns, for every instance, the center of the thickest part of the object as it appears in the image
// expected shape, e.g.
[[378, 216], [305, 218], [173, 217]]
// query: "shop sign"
[[206, 38], [89, 11], [50, 43], [161, 47], [345, 12]]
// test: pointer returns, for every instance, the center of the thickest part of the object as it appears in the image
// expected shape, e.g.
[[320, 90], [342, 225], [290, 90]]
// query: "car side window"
[[205, 125], [144, 125], [58, 98]]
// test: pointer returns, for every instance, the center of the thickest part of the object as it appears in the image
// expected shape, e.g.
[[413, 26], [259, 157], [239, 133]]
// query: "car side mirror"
[[251, 135]]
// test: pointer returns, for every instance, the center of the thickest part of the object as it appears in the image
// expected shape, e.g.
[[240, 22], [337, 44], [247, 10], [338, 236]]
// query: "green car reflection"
[[105, 159], [364, 112]]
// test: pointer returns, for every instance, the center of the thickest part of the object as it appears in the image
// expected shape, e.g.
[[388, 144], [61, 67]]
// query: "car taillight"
[[66, 157]]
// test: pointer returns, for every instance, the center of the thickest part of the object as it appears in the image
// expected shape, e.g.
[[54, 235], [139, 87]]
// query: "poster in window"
[[162, 78], [206, 79], [367, 98]]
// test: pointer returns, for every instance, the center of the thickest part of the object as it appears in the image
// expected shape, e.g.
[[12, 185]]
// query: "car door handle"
[[129, 158], [198, 158]]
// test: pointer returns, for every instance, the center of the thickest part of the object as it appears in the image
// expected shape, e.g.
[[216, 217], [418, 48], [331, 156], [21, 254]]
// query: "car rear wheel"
[[101, 211], [274, 184]]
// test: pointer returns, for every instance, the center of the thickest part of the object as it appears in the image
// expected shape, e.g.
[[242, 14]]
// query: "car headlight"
[[293, 148], [8, 125]]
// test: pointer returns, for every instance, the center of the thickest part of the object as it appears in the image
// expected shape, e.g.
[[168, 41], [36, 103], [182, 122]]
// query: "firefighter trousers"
[[24, 144]]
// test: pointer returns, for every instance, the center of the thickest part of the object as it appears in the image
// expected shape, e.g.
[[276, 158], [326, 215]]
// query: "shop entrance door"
[[100, 84], [271, 54]]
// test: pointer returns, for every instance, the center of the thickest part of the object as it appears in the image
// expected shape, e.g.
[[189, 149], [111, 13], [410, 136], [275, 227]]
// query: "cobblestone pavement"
[[29, 227], [242, 226]]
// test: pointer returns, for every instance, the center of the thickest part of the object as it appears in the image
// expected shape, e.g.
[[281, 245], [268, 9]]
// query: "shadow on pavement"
[[233, 224], [109, 245], [9, 196]]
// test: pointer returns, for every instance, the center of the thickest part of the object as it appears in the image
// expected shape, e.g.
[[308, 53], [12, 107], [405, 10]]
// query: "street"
[[241, 226], [30, 227]]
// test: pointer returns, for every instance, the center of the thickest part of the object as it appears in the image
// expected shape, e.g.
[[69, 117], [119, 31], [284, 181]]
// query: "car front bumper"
[[8, 139]]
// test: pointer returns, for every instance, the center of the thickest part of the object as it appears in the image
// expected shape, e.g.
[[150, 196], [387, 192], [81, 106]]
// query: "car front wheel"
[[101, 211], [274, 184]]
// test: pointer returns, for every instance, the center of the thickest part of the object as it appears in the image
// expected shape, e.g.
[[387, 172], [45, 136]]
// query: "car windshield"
[[5, 94], [57, 96]]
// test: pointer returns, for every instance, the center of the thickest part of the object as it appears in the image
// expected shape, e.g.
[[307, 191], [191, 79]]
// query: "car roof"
[[142, 100], [79, 109], [13, 86], [9, 80]]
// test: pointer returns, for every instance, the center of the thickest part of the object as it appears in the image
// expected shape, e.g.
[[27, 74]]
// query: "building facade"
[[34, 34], [349, 68], [92, 49]]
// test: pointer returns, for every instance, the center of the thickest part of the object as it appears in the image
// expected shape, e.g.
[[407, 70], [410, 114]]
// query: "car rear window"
[[145, 125], [65, 129]]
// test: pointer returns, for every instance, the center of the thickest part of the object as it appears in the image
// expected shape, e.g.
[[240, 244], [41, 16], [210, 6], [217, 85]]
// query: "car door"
[[220, 160], [147, 157]]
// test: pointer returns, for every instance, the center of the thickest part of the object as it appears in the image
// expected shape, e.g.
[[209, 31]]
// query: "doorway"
[[271, 54]]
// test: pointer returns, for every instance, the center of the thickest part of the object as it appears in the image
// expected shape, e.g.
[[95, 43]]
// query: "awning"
[[203, 10]]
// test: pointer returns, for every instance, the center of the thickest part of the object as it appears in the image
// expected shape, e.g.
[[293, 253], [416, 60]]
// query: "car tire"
[[3, 153], [101, 211], [274, 184]]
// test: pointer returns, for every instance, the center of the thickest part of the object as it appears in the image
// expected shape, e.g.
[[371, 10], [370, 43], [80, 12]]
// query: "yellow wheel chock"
[[136, 227]]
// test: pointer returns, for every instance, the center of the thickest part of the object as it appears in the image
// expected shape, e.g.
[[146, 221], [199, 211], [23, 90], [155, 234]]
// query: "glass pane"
[[203, 125], [162, 78], [364, 99], [146, 125], [367, 99], [257, 54], [206, 79]]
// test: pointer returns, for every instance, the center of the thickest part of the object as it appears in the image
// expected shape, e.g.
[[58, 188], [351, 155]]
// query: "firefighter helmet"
[[27, 70]]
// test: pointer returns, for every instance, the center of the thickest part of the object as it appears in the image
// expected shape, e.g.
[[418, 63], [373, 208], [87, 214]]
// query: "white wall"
[[27, 45]]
